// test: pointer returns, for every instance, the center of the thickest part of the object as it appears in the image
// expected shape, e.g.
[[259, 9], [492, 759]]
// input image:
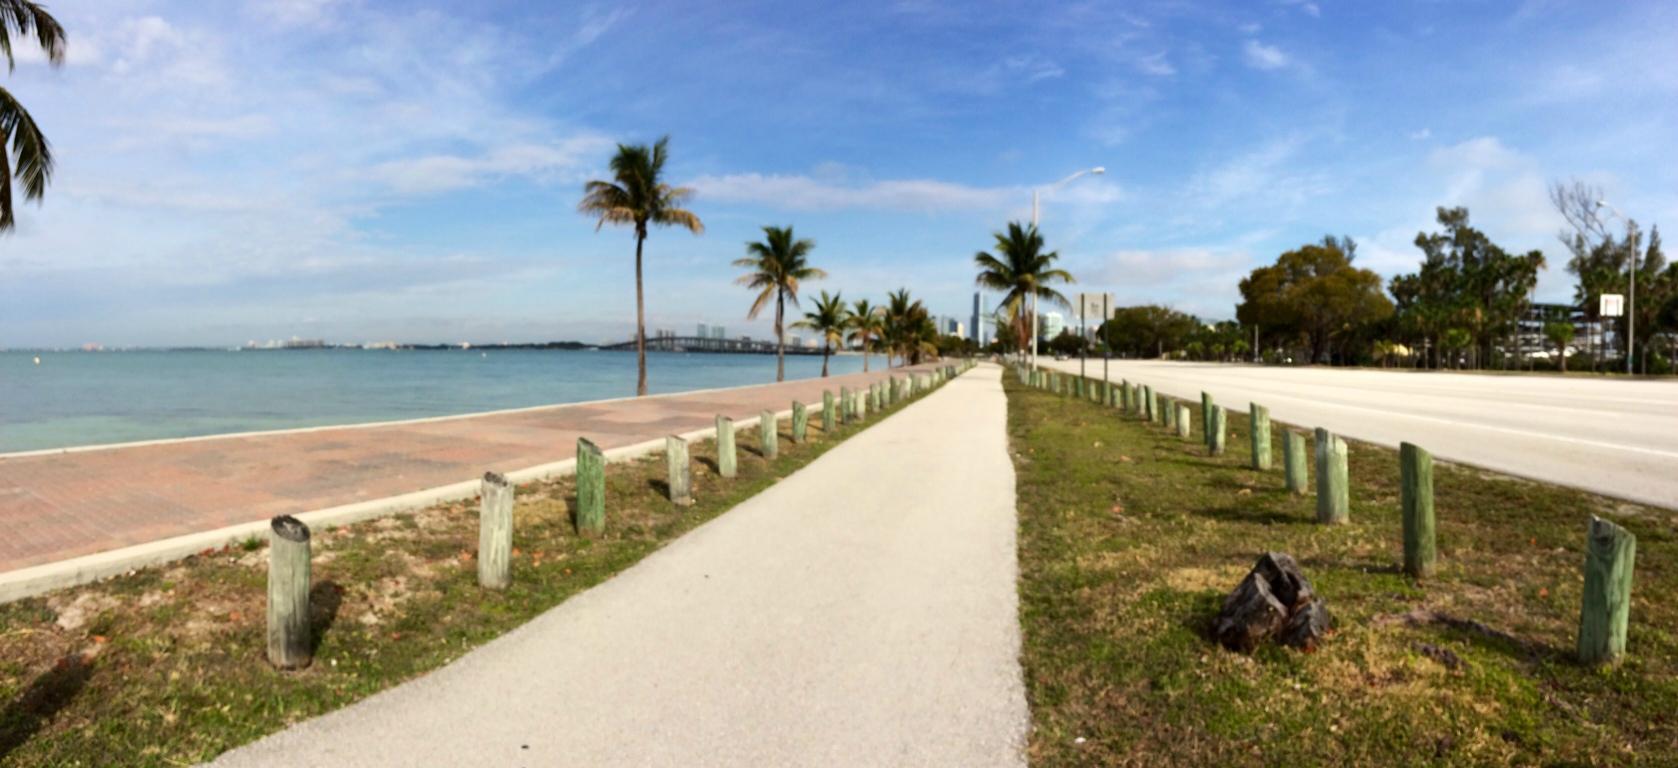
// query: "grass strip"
[[1130, 537]]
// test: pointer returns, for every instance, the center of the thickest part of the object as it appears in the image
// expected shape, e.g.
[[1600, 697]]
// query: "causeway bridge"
[[707, 344]]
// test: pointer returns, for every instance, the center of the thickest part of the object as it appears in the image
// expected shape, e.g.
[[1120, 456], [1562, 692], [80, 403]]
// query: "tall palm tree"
[[776, 267], [28, 145], [636, 196], [829, 319], [909, 331], [1021, 270], [866, 326]]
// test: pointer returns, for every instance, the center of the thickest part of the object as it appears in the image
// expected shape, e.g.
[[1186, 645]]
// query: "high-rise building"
[[718, 332], [982, 322], [1049, 325], [704, 331]]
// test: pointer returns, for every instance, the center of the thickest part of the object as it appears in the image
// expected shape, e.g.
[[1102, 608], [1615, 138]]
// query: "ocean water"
[[87, 398]]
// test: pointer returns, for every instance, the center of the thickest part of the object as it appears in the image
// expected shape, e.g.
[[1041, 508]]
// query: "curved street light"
[[1096, 171], [1631, 296]]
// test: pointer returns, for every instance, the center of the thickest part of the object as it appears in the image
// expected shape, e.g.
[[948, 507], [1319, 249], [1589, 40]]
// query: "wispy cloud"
[[797, 192], [1261, 56]]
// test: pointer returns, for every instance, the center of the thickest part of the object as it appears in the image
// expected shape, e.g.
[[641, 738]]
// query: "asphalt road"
[[1618, 438], [860, 612]]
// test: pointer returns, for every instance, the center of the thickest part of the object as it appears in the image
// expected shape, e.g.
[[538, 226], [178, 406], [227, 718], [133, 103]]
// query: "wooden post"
[[1333, 497], [1259, 423], [591, 488], [728, 459], [845, 405], [679, 470], [495, 532], [827, 412], [1183, 421], [1293, 461], [1610, 554], [1220, 423], [767, 431], [1155, 408], [1167, 414], [861, 404], [288, 593], [1416, 501], [800, 422], [1124, 396]]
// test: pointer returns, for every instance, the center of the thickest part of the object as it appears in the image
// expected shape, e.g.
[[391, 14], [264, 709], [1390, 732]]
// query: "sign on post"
[[1611, 305]]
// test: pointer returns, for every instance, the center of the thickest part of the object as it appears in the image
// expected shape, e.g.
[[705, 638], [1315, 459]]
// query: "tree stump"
[[289, 645], [1274, 601]]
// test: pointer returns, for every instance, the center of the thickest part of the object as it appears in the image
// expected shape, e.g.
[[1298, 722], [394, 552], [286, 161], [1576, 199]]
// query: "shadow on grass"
[[1239, 514], [52, 691], [325, 598]]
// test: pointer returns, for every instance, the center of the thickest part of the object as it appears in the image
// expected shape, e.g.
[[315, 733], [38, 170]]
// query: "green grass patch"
[[1130, 537], [167, 666]]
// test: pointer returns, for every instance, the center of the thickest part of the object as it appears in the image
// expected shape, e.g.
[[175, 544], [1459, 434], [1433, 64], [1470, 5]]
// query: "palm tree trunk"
[[640, 320], [865, 354], [825, 349], [780, 340]]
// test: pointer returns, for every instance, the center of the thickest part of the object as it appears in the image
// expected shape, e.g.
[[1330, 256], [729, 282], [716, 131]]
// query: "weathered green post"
[[800, 422], [1220, 424], [1156, 406], [591, 488], [1333, 496], [847, 413], [495, 532], [1259, 423], [1415, 495], [861, 404], [1206, 416], [679, 471], [1610, 554], [1183, 421], [289, 645], [1293, 461], [767, 431], [1124, 396], [1167, 414], [728, 461], [827, 412]]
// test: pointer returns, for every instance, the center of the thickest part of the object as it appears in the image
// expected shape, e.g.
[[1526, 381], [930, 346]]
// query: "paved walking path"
[[59, 505], [861, 612]]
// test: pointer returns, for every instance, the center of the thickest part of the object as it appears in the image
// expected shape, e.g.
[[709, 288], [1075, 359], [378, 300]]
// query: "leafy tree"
[[1147, 331], [1314, 295], [1021, 270], [637, 197], [775, 268], [1485, 287], [1454, 341], [1560, 334], [866, 324], [29, 148], [910, 332], [1067, 343], [830, 318]]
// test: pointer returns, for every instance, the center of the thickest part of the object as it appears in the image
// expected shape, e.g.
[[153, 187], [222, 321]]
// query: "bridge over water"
[[707, 344]]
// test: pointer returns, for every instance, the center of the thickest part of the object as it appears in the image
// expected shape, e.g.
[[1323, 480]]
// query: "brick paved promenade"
[[63, 505]]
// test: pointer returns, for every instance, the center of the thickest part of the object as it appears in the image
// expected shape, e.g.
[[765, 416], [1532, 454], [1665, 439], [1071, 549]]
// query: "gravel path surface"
[[861, 612], [1615, 437]]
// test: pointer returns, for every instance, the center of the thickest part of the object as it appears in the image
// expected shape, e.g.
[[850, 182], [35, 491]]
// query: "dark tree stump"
[[1274, 601], [1250, 615]]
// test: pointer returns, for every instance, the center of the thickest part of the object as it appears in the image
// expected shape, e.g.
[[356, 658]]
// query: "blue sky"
[[362, 170]]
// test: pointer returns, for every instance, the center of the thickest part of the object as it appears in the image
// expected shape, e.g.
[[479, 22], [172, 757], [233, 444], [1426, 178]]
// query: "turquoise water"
[[85, 398]]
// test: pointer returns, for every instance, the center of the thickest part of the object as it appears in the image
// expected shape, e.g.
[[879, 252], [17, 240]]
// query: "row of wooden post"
[[289, 558], [1610, 550]]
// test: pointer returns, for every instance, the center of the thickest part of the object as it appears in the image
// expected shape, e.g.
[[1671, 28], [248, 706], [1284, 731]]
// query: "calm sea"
[[85, 398]]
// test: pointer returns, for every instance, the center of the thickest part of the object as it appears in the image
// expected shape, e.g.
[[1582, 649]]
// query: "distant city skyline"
[[375, 170]]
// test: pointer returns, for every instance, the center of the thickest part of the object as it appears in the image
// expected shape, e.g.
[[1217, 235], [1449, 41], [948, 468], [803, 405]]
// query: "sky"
[[364, 170]]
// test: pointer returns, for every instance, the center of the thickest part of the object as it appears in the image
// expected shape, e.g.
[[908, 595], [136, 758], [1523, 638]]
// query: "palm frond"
[[32, 152], [23, 17]]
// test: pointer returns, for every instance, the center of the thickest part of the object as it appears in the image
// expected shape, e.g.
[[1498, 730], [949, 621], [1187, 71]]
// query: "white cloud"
[[799, 192], [1421, 135], [1156, 64], [1266, 57], [1306, 7], [431, 174], [1032, 67], [1201, 280]]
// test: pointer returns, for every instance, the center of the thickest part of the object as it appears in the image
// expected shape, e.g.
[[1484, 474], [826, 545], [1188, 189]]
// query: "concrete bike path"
[[860, 612]]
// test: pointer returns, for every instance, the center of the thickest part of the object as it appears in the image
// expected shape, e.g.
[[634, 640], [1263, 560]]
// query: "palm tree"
[[866, 327], [636, 196], [777, 265], [828, 319], [1021, 271], [28, 145], [908, 328]]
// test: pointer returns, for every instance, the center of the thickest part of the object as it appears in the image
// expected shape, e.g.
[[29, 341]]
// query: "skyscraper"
[[981, 326]]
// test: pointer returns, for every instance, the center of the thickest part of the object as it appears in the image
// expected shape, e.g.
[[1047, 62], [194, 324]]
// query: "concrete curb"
[[39, 579]]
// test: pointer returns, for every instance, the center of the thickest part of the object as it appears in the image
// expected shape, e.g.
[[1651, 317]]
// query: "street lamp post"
[[1034, 211], [1631, 296]]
